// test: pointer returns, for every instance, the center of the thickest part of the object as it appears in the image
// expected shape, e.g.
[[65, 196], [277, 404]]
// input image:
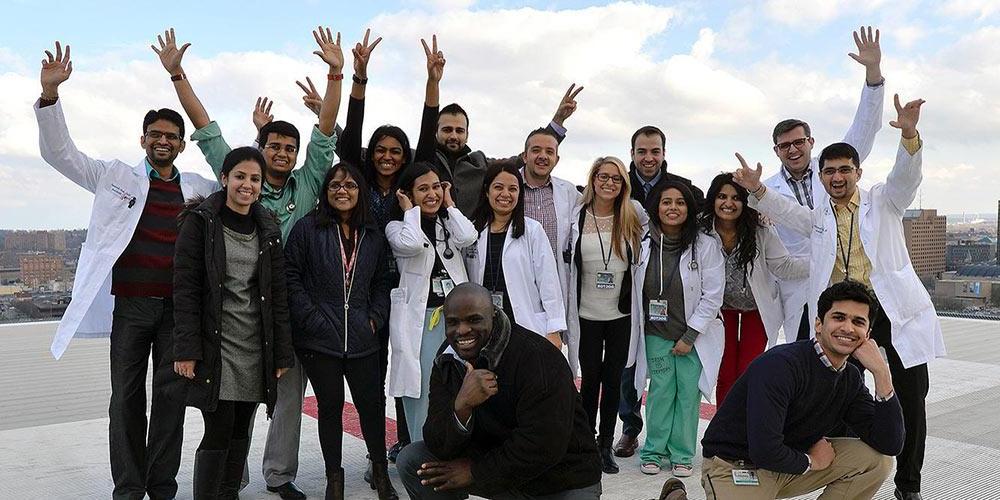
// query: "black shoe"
[[608, 464], [288, 491], [232, 473], [368, 471], [907, 495], [208, 467], [381, 482], [335, 485], [394, 452]]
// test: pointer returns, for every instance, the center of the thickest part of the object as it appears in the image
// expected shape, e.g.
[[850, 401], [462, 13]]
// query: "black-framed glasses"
[[843, 170], [798, 143], [333, 187], [276, 147], [155, 135], [604, 178]]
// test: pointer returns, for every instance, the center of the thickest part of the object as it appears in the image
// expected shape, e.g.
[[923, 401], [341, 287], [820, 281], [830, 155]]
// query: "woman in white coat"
[[513, 257], [754, 256], [676, 330], [426, 237]]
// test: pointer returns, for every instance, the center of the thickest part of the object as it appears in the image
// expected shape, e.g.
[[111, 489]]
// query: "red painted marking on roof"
[[352, 423]]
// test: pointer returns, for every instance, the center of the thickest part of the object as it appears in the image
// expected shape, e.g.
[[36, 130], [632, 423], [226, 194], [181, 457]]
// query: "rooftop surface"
[[54, 443]]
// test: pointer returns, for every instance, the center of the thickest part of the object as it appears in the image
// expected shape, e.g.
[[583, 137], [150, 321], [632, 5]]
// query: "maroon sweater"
[[146, 267]]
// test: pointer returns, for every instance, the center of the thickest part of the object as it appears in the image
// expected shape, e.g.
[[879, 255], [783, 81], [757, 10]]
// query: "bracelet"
[[757, 193], [359, 81], [335, 77], [46, 98], [178, 77]]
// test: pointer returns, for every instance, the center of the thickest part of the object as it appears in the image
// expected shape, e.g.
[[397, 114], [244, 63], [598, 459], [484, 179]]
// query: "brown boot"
[[673, 489], [626, 445], [335, 484]]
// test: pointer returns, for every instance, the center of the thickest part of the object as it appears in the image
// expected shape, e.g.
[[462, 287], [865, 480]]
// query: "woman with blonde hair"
[[604, 242]]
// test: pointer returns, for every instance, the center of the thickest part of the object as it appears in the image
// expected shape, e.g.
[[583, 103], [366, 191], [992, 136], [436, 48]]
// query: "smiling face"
[[794, 149], [840, 178], [541, 154], [427, 193], [608, 182], [162, 142], [673, 211], [503, 193], [342, 194], [243, 185], [468, 323], [728, 206], [452, 132], [647, 154], [844, 327], [388, 156], [280, 153]]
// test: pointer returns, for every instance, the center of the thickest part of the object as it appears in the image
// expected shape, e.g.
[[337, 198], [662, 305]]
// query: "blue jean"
[[630, 404], [416, 408]]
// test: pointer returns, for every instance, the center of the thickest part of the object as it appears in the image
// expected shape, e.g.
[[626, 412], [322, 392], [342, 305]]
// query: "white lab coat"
[[773, 262], [415, 261], [703, 288], [861, 135], [565, 197], [529, 270], [572, 297], [916, 331], [119, 197]]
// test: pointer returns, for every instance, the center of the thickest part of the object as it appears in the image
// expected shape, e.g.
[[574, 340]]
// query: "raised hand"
[[170, 55], [311, 99], [869, 54], [747, 177], [55, 70], [567, 105], [435, 59], [362, 53], [262, 112], [405, 203], [448, 200], [329, 49], [907, 116]]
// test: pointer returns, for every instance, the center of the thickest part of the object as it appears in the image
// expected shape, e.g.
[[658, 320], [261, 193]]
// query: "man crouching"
[[505, 419]]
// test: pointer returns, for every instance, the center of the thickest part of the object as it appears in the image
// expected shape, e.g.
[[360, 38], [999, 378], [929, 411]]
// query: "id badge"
[[436, 286], [658, 310], [447, 285], [605, 280], [745, 477], [497, 299]]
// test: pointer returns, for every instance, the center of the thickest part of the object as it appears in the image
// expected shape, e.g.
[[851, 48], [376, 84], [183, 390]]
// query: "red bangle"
[[335, 78]]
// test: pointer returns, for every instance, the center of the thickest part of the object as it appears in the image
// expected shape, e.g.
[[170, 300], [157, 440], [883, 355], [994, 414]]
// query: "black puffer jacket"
[[316, 290], [199, 272]]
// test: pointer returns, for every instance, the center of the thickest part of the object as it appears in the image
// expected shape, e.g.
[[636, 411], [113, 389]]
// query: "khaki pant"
[[857, 472]]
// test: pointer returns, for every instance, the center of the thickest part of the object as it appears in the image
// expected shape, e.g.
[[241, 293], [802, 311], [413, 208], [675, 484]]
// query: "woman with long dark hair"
[[338, 292], [755, 257], [427, 235], [513, 257], [676, 330], [231, 333]]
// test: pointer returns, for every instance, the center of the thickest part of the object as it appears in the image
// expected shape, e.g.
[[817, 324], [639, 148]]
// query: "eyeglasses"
[[333, 187], [798, 143], [155, 135], [844, 170], [604, 178], [276, 147]]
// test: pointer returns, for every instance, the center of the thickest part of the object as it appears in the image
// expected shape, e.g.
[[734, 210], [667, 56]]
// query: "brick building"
[[40, 268], [925, 234]]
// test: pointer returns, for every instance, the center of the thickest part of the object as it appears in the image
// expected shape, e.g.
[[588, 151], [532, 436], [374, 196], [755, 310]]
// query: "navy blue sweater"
[[787, 400]]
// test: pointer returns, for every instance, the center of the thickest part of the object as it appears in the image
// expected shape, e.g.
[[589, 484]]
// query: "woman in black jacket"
[[338, 290], [231, 332]]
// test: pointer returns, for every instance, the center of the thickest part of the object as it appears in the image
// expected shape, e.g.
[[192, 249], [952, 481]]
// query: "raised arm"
[[349, 145], [426, 143], [170, 58], [332, 55], [779, 261], [778, 208], [904, 179], [868, 118]]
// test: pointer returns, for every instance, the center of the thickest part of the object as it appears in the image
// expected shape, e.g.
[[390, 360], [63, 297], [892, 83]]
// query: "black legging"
[[327, 374], [603, 352], [230, 421]]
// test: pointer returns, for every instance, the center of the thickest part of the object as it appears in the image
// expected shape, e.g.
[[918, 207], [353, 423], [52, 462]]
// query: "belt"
[[738, 463]]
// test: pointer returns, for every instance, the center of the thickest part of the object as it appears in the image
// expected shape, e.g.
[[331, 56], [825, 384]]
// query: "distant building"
[[925, 234], [40, 268], [971, 286], [35, 241], [968, 252]]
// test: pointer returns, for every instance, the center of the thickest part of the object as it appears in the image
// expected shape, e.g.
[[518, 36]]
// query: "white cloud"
[[980, 9], [809, 14]]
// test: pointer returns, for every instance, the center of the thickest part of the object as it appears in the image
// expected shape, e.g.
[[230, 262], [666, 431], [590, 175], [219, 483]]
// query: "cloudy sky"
[[716, 76]]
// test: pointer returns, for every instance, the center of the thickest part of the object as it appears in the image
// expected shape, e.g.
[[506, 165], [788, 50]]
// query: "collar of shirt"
[[648, 185], [788, 175], [269, 191], [851, 205], [153, 174], [529, 186], [825, 360]]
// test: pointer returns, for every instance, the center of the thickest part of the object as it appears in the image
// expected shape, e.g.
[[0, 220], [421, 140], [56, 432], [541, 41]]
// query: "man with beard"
[[505, 418], [465, 168], [130, 242], [290, 194]]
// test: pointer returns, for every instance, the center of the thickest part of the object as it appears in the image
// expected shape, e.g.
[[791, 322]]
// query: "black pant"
[[910, 386], [603, 352], [630, 406], [140, 324], [327, 374], [402, 432], [805, 326], [230, 421]]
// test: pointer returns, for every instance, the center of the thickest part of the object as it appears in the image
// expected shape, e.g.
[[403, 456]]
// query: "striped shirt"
[[146, 267], [801, 187], [540, 205]]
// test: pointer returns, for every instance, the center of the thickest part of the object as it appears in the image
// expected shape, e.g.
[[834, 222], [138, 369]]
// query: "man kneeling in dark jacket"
[[505, 419]]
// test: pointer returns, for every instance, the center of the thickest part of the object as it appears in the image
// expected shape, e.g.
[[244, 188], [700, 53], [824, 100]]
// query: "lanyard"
[[672, 273], [496, 264], [349, 265], [850, 242], [605, 259]]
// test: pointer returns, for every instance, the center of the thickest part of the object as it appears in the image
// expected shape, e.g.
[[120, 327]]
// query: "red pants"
[[745, 340]]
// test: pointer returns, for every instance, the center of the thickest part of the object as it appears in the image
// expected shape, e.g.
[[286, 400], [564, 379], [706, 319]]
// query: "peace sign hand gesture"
[[55, 70], [362, 54], [311, 98], [567, 105], [329, 50], [170, 55], [435, 59], [747, 177], [907, 117]]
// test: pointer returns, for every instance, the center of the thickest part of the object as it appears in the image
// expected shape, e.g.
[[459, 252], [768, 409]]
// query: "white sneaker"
[[681, 470], [650, 468]]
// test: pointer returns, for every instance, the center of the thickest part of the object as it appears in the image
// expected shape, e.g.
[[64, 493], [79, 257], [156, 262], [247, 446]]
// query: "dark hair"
[[327, 216], [379, 134], [454, 109], [850, 290], [649, 130], [279, 128], [240, 155], [787, 126], [746, 226], [541, 131], [837, 151], [484, 212], [406, 180], [690, 230], [163, 114]]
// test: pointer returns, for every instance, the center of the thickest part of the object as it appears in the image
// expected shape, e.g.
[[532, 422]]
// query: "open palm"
[[56, 69]]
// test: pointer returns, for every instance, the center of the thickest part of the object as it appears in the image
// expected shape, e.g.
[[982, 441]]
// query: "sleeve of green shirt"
[[212, 145], [319, 159]]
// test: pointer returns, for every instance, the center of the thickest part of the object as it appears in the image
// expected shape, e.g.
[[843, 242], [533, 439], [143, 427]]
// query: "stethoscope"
[[448, 252]]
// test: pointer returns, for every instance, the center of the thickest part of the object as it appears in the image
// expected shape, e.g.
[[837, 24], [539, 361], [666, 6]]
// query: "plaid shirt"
[[539, 205], [802, 188], [826, 361]]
